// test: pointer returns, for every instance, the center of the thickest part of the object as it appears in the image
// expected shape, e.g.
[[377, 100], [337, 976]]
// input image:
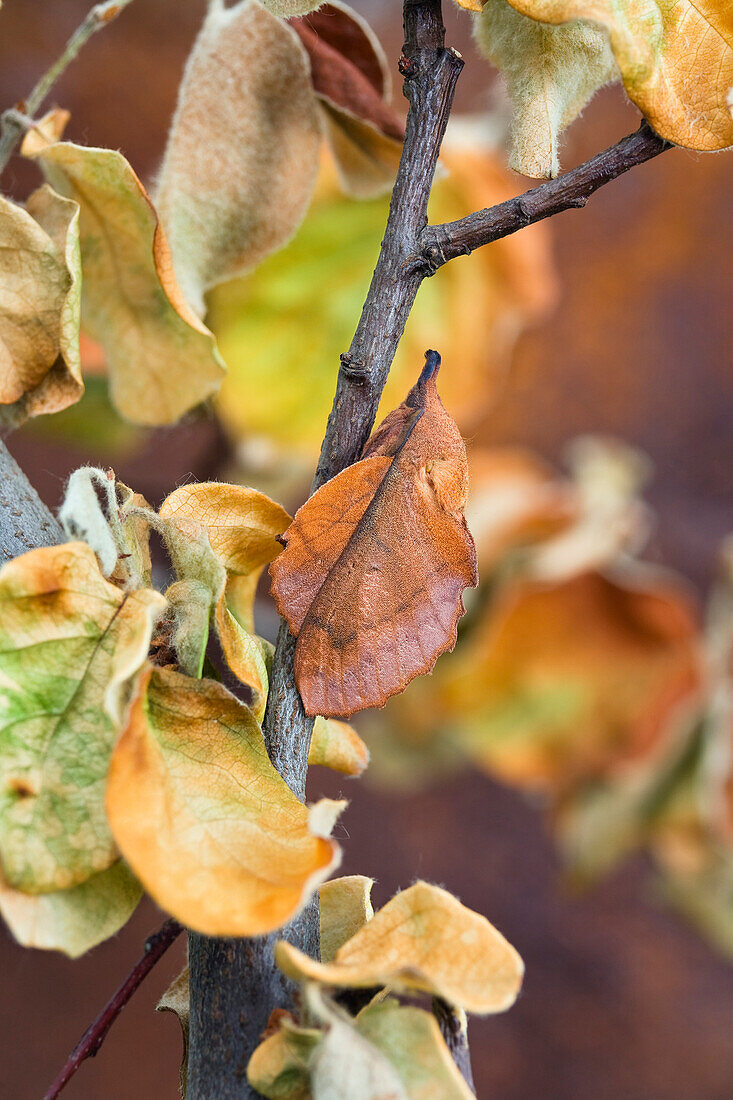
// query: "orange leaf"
[[375, 564]]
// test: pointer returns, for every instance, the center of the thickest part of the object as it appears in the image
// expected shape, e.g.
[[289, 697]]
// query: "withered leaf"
[[242, 154], [422, 940], [345, 906], [337, 745], [212, 831], [375, 563]]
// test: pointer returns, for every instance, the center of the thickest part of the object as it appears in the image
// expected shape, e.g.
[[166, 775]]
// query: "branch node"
[[353, 369]]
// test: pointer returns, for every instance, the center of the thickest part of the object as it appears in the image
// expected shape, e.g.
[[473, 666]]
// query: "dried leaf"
[[375, 563], [161, 358], [351, 77], [551, 73], [564, 682], [242, 524], [345, 907], [422, 940], [676, 60], [74, 920], [70, 644], [246, 654], [189, 606], [176, 999], [410, 1039], [337, 745], [279, 1068], [210, 828], [242, 154], [40, 272], [282, 328]]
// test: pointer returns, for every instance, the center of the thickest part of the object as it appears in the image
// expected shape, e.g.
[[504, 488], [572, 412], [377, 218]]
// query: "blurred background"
[[614, 320]]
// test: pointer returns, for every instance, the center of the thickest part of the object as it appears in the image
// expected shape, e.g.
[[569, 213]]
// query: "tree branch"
[[441, 243], [92, 1039], [25, 521], [13, 125]]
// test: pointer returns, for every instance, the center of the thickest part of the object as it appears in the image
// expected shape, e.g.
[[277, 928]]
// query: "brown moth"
[[372, 575]]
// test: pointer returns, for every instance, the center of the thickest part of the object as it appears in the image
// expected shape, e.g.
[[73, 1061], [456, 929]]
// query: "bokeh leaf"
[[210, 828], [70, 643], [242, 155], [162, 360], [75, 920], [423, 940], [375, 563]]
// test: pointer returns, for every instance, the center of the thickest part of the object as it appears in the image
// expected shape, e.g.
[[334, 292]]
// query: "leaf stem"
[[92, 1039], [12, 123]]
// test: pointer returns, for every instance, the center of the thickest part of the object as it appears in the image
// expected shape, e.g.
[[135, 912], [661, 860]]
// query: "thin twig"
[[441, 243], [12, 123], [454, 1029], [92, 1039]]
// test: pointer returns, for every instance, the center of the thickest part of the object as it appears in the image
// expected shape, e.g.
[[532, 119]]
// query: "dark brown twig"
[[454, 1029], [441, 243], [92, 1039]]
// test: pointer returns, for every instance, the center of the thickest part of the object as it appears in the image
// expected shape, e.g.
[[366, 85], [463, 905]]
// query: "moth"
[[375, 563]]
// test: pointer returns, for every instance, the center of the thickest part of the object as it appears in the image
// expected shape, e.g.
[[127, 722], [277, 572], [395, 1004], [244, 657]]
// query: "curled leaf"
[[279, 1068], [40, 274], [242, 154], [337, 745], [246, 654], [375, 563], [210, 828], [161, 358], [551, 73], [345, 906], [75, 920], [177, 999], [351, 78], [70, 644], [423, 940]]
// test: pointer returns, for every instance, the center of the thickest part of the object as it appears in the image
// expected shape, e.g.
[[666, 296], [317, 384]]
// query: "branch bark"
[[441, 243], [25, 521]]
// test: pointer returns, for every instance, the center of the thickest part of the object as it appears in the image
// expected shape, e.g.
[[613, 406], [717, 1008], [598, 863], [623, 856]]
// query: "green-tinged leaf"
[[189, 605], [422, 940], [410, 1039], [551, 73], [345, 906], [279, 1069], [75, 920], [162, 360], [70, 643], [40, 276], [213, 832], [337, 745], [345, 1064]]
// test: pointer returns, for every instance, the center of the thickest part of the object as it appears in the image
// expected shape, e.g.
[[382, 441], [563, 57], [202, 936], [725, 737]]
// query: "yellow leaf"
[[345, 907], [245, 654], [337, 745], [162, 360], [242, 154], [74, 920], [422, 940], [675, 57], [210, 828], [241, 523], [70, 643], [282, 328], [40, 275], [551, 73]]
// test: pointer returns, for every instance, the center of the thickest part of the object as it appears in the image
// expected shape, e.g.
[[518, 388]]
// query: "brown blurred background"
[[621, 997]]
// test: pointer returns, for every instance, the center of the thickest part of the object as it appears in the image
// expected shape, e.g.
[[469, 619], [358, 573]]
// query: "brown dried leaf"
[[351, 77], [212, 831], [423, 940], [242, 154], [375, 563]]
